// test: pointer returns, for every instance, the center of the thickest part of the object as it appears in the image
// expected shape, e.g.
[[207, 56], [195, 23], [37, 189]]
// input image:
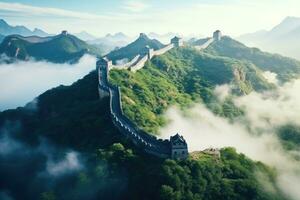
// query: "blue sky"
[[196, 17]]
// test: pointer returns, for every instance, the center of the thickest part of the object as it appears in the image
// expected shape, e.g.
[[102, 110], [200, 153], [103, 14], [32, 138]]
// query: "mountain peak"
[[287, 25], [143, 36], [3, 22], [291, 18], [135, 48], [120, 34]]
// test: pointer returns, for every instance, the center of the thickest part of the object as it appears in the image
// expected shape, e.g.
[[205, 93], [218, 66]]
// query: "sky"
[[189, 17]]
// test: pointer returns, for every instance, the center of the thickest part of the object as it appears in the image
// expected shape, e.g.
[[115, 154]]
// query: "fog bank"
[[253, 134], [22, 81]]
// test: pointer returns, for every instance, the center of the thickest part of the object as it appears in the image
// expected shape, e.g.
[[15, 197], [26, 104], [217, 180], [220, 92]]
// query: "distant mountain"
[[165, 38], [283, 38], [196, 42], [134, 48], [6, 29], [83, 35], [59, 48], [111, 41], [39, 32]]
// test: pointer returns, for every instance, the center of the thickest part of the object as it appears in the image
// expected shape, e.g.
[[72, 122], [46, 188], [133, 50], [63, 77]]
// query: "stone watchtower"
[[64, 32], [177, 41], [217, 35], [103, 66], [179, 148]]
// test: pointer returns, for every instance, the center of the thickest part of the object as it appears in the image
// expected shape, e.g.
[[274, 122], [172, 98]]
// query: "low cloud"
[[254, 134], [68, 164], [222, 91], [271, 77], [276, 108], [26, 171], [22, 81]]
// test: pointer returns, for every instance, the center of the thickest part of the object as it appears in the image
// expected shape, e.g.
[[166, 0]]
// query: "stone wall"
[[148, 143], [205, 45], [139, 64], [128, 64], [163, 50], [142, 61]]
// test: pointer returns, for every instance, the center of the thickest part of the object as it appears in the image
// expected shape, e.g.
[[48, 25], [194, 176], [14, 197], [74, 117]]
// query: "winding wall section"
[[150, 144]]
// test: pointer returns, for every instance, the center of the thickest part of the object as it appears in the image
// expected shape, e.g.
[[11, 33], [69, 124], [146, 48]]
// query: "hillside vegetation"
[[180, 77], [286, 68], [58, 49], [74, 117]]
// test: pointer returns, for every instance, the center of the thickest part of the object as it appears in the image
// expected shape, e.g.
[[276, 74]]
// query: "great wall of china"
[[176, 146]]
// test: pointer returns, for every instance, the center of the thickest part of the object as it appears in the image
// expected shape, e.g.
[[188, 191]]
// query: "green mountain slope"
[[134, 48], [74, 117], [183, 76], [59, 49], [286, 68]]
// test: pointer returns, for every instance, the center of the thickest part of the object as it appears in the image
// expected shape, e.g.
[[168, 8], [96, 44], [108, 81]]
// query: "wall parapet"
[[204, 45]]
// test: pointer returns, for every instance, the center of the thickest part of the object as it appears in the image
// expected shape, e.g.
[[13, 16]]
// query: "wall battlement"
[[150, 144], [140, 60]]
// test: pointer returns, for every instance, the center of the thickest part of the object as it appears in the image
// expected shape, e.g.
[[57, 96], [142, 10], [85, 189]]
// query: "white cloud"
[[271, 77], [135, 6], [69, 164], [21, 82], [47, 11], [202, 129], [222, 91], [273, 108], [254, 134]]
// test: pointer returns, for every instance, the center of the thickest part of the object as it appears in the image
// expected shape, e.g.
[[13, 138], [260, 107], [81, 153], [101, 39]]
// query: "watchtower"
[[64, 32], [217, 35], [103, 66], [179, 148], [177, 41]]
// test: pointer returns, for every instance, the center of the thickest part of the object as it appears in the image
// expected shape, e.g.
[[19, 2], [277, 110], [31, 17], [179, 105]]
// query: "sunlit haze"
[[234, 17]]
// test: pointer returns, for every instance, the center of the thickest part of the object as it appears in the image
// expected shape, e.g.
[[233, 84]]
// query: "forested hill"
[[286, 68], [73, 117], [183, 76], [57, 49], [134, 48]]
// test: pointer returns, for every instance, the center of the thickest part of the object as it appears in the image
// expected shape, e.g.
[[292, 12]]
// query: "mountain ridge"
[[282, 38], [6, 29], [60, 48], [134, 48]]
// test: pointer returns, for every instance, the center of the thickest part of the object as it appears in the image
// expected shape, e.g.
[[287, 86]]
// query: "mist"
[[22, 81], [43, 167], [254, 134]]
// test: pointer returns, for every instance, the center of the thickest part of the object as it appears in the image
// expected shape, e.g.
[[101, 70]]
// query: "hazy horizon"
[[132, 16]]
